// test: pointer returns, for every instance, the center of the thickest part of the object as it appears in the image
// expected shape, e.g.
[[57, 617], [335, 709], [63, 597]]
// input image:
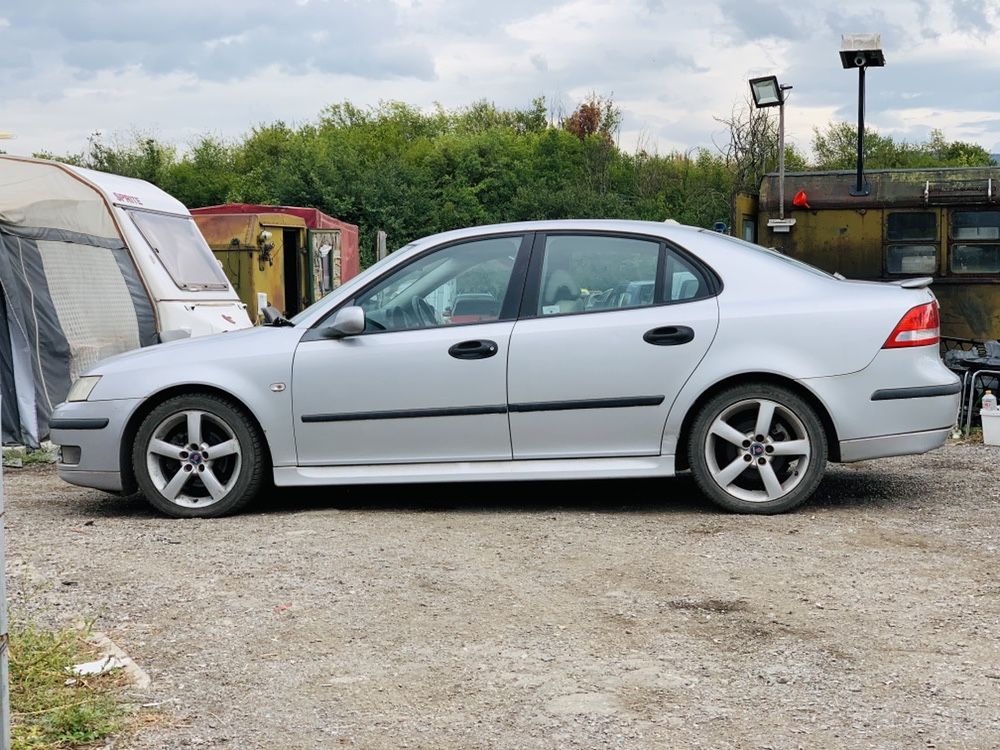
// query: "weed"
[[16, 457], [48, 713]]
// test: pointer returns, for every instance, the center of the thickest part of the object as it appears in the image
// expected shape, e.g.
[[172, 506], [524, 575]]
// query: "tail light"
[[921, 326]]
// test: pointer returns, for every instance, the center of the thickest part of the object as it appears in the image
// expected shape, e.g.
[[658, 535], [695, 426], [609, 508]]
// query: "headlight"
[[82, 387]]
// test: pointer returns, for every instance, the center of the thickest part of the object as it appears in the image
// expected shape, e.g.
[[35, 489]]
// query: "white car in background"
[[746, 368]]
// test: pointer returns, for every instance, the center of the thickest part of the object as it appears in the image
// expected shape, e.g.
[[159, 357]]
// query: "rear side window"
[[584, 273], [593, 273]]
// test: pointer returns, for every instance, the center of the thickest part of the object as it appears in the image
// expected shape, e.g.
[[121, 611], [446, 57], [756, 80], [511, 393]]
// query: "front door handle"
[[668, 335], [474, 349]]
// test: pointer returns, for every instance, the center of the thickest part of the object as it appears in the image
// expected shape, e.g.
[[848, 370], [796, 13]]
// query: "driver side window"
[[456, 285]]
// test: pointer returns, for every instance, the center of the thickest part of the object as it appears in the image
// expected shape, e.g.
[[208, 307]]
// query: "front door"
[[612, 328], [416, 386]]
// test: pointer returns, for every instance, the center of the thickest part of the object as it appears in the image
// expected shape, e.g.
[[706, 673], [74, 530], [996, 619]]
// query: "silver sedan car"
[[598, 349]]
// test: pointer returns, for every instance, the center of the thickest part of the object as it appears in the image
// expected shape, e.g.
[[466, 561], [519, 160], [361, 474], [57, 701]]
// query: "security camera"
[[862, 51]]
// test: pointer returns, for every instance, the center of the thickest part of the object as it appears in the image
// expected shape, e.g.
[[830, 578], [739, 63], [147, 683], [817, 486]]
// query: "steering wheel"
[[404, 316], [423, 311]]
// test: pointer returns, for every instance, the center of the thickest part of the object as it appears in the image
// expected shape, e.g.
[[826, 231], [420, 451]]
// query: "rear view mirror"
[[348, 321]]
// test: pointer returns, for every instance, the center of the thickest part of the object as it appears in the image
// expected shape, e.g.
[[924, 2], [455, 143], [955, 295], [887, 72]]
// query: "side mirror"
[[349, 321], [270, 314]]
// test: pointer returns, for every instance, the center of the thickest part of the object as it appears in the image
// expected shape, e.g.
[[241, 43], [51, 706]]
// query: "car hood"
[[198, 350]]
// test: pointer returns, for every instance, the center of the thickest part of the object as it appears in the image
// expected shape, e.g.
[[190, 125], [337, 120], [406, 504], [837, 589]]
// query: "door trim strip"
[[470, 411], [448, 411], [588, 403]]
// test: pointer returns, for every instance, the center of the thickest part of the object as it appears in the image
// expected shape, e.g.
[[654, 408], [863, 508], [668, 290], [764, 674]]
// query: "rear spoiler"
[[921, 282]]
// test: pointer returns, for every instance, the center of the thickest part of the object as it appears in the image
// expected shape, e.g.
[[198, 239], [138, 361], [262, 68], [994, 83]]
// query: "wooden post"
[[380, 239], [4, 676]]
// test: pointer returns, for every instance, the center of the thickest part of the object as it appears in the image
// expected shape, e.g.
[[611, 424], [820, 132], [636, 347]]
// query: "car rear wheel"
[[757, 448], [198, 456]]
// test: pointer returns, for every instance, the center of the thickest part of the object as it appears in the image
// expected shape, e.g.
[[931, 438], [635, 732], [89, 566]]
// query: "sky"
[[180, 69]]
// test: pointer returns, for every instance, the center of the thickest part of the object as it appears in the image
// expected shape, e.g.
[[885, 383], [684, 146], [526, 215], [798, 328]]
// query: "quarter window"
[[459, 284], [683, 281], [975, 247]]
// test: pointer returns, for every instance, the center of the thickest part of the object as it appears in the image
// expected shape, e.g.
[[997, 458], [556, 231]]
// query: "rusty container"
[[261, 253], [943, 223]]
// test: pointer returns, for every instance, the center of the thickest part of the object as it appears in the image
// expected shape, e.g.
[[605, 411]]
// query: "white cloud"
[[185, 67]]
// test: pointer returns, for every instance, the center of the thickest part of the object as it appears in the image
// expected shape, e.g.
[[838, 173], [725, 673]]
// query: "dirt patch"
[[612, 614]]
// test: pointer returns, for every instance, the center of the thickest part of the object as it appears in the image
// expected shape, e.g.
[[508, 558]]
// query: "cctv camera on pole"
[[861, 51]]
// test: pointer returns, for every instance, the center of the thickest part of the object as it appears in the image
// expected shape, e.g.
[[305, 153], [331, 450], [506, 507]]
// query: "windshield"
[[772, 253], [181, 249]]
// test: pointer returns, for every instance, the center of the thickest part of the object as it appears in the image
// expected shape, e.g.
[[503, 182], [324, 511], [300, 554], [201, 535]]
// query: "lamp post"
[[767, 92], [861, 51]]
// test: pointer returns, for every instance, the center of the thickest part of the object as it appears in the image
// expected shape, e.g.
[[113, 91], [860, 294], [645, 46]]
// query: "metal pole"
[[781, 157], [861, 188], [4, 676]]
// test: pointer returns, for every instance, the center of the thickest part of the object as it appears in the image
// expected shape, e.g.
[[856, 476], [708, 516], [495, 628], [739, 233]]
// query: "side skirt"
[[477, 471]]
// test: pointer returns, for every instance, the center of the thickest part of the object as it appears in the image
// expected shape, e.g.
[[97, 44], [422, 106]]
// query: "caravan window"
[[917, 225], [979, 253], [181, 249], [911, 243]]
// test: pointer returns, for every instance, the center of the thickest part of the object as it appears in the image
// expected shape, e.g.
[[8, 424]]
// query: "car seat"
[[562, 294]]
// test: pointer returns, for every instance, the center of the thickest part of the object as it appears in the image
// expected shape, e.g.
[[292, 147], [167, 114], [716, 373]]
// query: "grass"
[[47, 713], [16, 457]]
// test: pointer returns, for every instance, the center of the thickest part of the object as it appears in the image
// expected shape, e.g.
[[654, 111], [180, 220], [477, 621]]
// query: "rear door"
[[611, 328]]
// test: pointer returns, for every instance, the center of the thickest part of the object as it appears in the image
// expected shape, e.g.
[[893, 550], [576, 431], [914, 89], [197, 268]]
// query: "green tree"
[[836, 147]]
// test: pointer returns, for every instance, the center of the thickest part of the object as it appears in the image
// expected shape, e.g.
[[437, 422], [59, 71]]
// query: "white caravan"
[[92, 265]]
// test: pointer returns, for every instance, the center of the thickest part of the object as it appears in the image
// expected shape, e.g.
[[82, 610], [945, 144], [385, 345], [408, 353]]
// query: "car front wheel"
[[757, 448], [198, 456]]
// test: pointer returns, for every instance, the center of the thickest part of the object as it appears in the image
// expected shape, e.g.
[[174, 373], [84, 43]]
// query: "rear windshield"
[[774, 254], [181, 249]]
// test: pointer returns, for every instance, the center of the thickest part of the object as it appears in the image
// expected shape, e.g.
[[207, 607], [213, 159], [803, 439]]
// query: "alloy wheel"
[[757, 450], [193, 458]]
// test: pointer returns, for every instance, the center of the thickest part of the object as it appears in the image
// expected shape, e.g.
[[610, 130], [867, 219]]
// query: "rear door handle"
[[474, 349], [668, 335]]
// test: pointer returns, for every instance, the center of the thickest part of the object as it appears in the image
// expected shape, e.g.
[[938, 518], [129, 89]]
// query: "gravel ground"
[[611, 614]]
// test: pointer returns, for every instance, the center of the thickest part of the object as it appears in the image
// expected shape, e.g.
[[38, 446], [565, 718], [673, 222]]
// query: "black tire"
[[710, 454], [236, 477]]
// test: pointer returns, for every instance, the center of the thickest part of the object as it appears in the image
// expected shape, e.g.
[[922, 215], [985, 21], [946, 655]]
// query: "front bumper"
[[89, 434]]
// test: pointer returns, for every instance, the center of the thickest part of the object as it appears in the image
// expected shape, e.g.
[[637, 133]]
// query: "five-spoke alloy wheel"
[[757, 448], [198, 455]]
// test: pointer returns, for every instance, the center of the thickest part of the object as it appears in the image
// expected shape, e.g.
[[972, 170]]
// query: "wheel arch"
[[833, 442], [129, 484]]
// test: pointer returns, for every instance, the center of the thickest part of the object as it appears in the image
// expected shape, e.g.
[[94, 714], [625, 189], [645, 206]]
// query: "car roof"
[[669, 230]]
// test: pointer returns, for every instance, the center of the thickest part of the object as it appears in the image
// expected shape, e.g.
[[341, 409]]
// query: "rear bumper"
[[906, 401], [892, 445]]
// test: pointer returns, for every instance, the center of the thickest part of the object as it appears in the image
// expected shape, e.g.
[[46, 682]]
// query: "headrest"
[[560, 286]]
